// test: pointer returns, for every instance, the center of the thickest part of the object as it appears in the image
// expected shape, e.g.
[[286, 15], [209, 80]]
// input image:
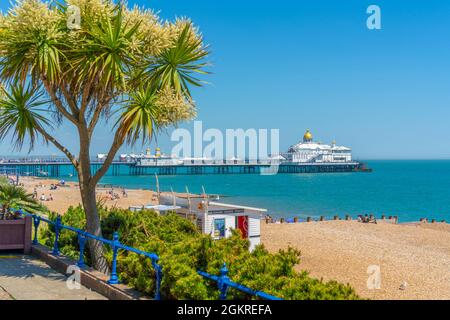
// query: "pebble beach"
[[414, 259]]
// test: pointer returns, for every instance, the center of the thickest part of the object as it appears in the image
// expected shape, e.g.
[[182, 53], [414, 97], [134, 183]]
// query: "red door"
[[242, 224]]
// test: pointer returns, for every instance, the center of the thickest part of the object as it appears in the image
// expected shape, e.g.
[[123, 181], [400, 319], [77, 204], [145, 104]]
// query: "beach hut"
[[218, 219]]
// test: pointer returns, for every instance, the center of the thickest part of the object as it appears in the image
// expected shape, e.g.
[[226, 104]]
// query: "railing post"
[[57, 230], [114, 279], [36, 222], [222, 283], [158, 273], [82, 243]]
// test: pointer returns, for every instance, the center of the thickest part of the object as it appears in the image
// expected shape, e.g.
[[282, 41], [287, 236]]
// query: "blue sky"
[[313, 64]]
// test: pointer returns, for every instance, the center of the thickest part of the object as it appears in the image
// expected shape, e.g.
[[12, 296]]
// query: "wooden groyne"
[[367, 218]]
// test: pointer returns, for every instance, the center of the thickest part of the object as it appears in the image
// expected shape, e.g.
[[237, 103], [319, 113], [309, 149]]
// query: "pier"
[[62, 169]]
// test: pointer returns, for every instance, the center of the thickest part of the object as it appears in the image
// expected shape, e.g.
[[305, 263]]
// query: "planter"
[[16, 234]]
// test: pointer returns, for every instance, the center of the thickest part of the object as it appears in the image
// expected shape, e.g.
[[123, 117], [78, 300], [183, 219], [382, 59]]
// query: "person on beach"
[[367, 219], [364, 219]]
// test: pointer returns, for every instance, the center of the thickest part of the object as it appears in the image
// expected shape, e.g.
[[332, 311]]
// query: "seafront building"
[[308, 151]]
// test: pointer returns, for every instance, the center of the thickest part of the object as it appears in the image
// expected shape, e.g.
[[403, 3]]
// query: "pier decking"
[[66, 169]]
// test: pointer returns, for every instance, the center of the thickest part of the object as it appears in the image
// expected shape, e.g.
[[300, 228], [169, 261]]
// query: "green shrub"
[[183, 251], [4, 180]]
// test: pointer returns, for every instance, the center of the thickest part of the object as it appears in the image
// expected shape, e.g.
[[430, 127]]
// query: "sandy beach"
[[69, 195], [417, 254]]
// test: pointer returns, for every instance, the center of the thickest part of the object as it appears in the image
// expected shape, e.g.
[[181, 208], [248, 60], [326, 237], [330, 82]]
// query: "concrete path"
[[26, 278]]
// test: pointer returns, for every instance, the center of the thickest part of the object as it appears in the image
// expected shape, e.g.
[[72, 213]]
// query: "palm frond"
[[21, 114], [107, 55], [138, 119], [176, 66], [13, 197], [31, 48]]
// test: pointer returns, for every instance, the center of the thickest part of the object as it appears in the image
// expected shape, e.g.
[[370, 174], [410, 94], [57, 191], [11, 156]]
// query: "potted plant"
[[15, 230]]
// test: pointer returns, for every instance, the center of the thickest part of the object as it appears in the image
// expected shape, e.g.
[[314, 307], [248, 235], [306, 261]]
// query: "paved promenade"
[[26, 278]]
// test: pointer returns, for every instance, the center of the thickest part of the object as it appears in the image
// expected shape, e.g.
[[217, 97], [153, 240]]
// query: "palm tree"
[[122, 64], [13, 197]]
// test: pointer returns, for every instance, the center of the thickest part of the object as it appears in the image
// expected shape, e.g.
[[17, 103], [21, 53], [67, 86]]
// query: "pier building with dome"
[[309, 151]]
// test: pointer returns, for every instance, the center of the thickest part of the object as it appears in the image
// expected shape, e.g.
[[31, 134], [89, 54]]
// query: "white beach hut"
[[218, 219]]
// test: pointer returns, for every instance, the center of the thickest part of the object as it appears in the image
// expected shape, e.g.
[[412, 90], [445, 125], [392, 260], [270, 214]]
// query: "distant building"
[[101, 157], [308, 151]]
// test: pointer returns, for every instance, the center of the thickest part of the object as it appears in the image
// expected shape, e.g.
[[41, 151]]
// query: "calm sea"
[[409, 189]]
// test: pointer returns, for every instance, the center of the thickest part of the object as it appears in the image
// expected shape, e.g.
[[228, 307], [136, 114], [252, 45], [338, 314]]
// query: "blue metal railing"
[[83, 236], [223, 281]]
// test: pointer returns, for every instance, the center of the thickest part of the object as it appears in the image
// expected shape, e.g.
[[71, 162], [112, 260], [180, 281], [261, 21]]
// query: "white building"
[[218, 219], [308, 151]]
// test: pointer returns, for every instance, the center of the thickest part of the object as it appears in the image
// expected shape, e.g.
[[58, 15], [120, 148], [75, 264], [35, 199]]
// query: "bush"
[[183, 250], [4, 180]]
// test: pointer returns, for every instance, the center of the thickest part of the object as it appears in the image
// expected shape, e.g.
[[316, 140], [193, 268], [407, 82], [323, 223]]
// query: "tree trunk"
[[93, 226], [89, 200]]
